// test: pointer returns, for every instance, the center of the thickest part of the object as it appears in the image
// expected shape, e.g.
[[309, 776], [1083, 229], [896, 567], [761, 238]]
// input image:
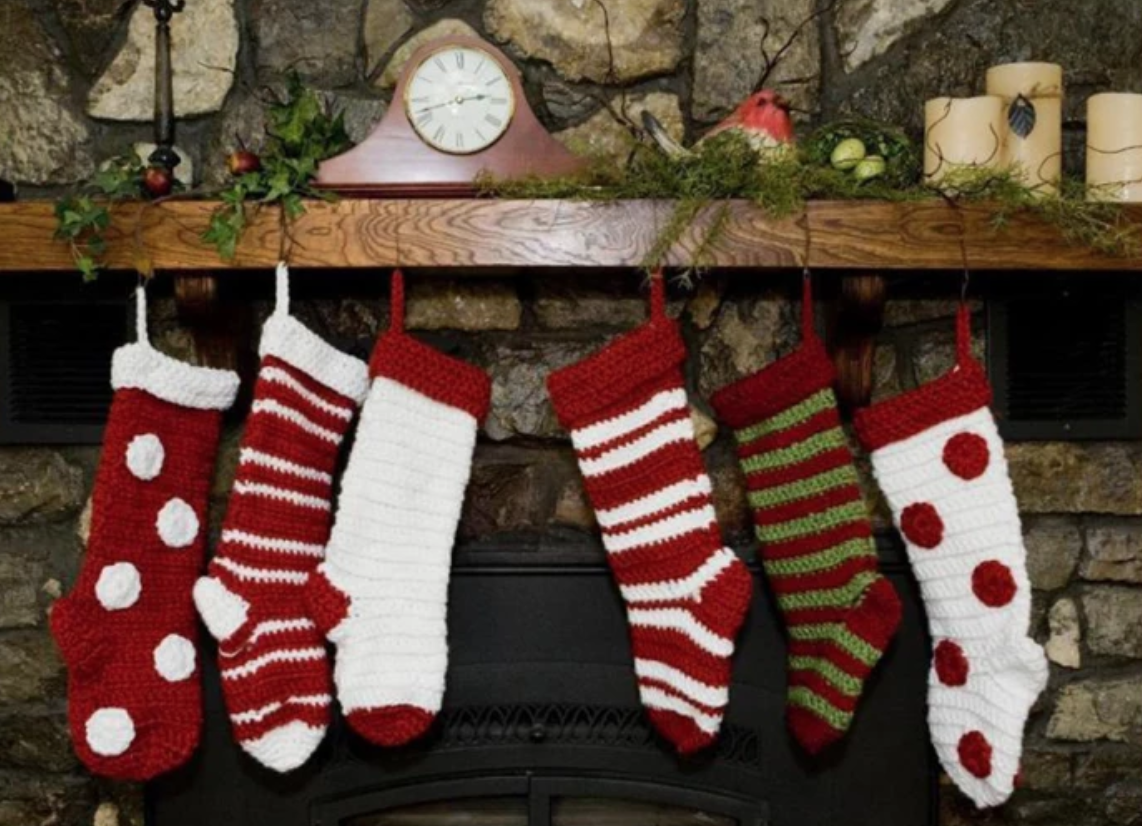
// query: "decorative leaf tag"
[[1021, 116]]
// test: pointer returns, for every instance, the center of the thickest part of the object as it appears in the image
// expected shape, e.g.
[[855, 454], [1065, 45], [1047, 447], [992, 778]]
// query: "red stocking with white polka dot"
[[939, 460], [127, 630]]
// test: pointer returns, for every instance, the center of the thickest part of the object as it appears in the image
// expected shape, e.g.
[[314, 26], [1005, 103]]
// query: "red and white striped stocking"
[[275, 674], [127, 630], [939, 460], [686, 593]]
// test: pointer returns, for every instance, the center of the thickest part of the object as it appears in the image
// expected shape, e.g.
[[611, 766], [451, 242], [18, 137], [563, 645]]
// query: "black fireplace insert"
[[542, 725]]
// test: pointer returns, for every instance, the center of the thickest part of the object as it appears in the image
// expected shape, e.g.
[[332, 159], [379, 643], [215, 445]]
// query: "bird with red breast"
[[763, 118]]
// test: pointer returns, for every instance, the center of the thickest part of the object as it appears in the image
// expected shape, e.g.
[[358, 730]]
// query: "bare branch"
[[771, 63]]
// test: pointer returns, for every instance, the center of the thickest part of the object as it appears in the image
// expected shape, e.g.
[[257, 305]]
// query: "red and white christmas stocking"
[[939, 460], [686, 593], [272, 659], [381, 594], [127, 630]]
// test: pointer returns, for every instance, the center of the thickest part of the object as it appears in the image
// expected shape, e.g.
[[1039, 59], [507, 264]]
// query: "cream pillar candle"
[[961, 133], [1114, 147], [1033, 121]]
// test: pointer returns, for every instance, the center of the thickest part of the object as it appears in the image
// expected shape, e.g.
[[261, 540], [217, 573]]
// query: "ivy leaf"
[[1021, 116], [293, 205], [87, 267]]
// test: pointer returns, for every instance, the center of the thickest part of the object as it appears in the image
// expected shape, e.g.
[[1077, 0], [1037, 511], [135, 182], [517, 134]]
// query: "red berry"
[[243, 161], [158, 181]]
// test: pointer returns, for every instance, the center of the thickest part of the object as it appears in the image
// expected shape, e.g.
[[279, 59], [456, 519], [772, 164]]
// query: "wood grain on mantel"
[[866, 236]]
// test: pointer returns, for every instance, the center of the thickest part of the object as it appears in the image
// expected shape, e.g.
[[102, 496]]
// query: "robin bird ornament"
[[762, 118]]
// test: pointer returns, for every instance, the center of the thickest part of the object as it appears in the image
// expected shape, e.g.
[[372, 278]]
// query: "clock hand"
[[449, 103]]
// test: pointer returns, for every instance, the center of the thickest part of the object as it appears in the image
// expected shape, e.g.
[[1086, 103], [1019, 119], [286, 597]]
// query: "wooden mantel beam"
[[350, 233]]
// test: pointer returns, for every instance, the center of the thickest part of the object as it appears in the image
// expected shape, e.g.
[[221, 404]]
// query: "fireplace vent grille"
[[1066, 367], [55, 359], [578, 725]]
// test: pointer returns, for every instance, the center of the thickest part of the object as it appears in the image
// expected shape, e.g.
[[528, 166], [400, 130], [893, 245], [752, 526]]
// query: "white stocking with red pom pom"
[[939, 460]]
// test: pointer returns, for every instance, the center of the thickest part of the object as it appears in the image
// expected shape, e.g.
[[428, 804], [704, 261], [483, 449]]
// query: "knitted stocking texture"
[[127, 630], [939, 459], [381, 594], [686, 594], [816, 542], [275, 674]]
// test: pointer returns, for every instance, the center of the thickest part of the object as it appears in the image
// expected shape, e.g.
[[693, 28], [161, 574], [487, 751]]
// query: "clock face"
[[459, 100]]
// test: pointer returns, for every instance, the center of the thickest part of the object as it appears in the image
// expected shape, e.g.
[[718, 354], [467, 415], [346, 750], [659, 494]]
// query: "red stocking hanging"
[[686, 593], [275, 673], [127, 630]]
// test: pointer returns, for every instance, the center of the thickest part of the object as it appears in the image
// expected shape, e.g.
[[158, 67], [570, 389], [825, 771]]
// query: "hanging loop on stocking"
[[657, 296], [141, 314], [808, 328], [963, 326], [396, 302], [281, 289]]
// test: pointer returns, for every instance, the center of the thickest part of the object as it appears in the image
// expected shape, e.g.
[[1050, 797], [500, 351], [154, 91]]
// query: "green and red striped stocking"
[[816, 542]]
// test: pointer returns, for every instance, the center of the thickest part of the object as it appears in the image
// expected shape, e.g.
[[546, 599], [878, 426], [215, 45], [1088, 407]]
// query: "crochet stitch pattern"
[[275, 674], [127, 630], [686, 593], [381, 595], [939, 460], [814, 534]]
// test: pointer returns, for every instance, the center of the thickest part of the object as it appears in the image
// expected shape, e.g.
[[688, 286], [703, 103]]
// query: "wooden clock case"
[[394, 162]]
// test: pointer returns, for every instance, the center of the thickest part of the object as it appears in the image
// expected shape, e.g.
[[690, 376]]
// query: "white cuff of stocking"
[[141, 367], [286, 338]]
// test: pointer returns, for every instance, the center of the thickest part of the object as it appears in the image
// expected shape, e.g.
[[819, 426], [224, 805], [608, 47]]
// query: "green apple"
[[847, 154]]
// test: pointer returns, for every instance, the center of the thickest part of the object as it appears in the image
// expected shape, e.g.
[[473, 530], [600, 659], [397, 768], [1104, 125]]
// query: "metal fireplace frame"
[[542, 704], [539, 791]]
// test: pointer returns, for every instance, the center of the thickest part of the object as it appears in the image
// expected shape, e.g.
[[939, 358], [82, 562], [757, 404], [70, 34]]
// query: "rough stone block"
[[30, 667], [728, 59], [1074, 477], [1053, 547], [1114, 621], [1099, 709], [1063, 645], [37, 485], [461, 305], [645, 35], [1113, 554], [204, 55], [44, 139], [317, 40]]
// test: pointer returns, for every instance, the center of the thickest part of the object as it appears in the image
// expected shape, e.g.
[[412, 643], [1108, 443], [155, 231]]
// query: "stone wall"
[[72, 90]]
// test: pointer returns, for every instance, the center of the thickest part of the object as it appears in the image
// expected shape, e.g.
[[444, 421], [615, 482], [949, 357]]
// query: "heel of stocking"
[[875, 616], [226, 615], [75, 627], [328, 606]]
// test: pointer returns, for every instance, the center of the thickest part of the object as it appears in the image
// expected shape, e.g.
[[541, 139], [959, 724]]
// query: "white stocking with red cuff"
[[381, 594], [939, 460], [275, 674]]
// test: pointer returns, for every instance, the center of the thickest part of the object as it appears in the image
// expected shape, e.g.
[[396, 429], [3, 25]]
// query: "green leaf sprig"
[[300, 133], [82, 217]]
